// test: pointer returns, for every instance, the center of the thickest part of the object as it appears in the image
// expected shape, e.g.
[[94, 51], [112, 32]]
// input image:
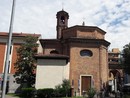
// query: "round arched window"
[[86, 53], [63, 19], [54, 52]]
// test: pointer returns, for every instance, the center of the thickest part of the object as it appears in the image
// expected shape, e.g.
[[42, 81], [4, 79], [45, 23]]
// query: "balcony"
[[115, 65]]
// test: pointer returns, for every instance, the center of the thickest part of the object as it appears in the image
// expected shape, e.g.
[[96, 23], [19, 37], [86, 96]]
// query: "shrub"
[[27, 92], [66, 87], [45, 93], [91, 92], [58, 91], [62, 90]]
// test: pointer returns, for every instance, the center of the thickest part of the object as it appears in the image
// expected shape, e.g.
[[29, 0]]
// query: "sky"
[[39, 17]]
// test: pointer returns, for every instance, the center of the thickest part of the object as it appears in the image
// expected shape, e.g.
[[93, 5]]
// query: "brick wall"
[[14, 57], [2, 55], [52, 46], [88, 65], [83, 32]]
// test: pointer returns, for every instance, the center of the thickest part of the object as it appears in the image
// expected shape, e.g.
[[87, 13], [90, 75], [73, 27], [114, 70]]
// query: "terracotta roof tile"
[[18, 34], [59, 56]]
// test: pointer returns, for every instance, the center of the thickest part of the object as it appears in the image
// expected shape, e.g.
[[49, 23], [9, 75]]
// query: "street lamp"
[[8, 51]]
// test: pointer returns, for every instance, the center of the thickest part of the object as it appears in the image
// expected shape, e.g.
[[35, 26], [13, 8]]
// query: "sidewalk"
[[9, 96], [112, 96]]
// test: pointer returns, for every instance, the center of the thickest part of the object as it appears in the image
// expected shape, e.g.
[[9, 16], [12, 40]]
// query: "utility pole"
[[8, 51]]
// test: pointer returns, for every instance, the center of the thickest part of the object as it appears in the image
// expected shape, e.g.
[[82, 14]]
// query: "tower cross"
[[62, 5]]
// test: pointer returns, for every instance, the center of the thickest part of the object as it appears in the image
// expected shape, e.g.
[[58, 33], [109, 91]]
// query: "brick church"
[[80, 54]]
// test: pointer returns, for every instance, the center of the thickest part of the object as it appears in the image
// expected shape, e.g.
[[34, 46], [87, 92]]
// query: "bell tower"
[[62, 22]]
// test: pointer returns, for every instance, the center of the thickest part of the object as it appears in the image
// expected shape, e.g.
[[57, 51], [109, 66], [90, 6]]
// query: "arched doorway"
[[115, 80]]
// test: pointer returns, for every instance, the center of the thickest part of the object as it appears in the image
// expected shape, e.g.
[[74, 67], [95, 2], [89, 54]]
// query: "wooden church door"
[[85, 84]]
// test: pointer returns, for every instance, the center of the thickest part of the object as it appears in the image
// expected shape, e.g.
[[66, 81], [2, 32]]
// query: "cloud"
[[115, 20], [39, 16]]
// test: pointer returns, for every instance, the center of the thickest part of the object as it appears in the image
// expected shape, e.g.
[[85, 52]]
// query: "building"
[[80, 54], [116, 74], [17, 40]]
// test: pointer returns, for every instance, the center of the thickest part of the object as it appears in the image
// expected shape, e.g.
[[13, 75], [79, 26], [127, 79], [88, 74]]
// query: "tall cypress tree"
[[26, 64]]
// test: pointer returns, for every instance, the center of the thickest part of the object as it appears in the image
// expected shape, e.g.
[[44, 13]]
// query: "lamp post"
[[8, 51]]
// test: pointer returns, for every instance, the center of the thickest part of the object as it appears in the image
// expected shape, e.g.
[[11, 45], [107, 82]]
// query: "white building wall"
[[40, 49], [51, 73]]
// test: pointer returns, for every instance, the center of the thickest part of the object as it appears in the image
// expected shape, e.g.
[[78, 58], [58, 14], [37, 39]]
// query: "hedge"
[[27, 92], [45, 93]]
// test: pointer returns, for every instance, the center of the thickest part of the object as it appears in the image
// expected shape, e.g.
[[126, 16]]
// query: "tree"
[[26, 64], [66, 87], [126, 56], [91, 92], [63, 90]]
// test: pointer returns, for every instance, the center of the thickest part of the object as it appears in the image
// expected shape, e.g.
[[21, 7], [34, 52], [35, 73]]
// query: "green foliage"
[[66, 87], [126, 96], [27, 92], [25, 64], [45, 93], [58, 91], [73, 97], [63, 89], [126, 56], [91, 92]]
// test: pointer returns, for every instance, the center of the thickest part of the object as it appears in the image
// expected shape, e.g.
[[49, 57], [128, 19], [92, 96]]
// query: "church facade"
[[80, 54]]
